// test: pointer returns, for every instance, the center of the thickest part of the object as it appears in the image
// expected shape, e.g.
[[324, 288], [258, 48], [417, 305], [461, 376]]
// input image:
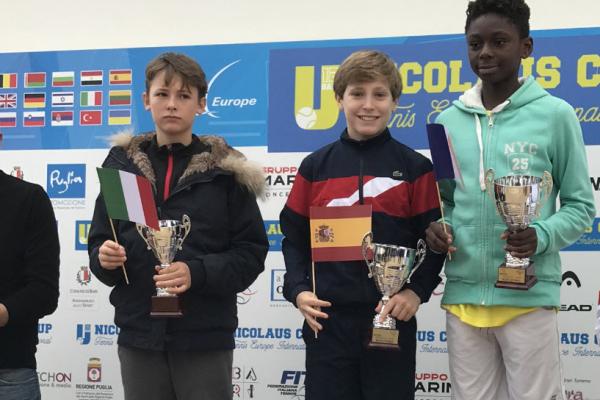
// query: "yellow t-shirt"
[[486, 317]]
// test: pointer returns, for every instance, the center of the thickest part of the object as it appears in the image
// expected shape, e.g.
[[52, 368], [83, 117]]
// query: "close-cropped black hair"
[[516, 11]]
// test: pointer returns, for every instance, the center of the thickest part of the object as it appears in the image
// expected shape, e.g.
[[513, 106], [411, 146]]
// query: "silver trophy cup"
[[391, 267], [518, 199], [164, 243]]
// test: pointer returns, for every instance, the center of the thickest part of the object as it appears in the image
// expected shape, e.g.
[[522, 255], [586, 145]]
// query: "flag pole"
[[112, 226], [314, 289], [437, 186]]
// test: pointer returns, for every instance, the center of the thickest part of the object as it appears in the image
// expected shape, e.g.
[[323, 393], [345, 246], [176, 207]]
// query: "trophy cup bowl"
[[164, 243], [518, 199], [391, 267]]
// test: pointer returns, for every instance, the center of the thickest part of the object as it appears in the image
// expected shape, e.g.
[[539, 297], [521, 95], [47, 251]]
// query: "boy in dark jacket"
[[202, 177], [366, 166]]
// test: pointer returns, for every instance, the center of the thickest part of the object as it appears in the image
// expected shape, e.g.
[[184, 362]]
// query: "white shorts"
[[517, 361]]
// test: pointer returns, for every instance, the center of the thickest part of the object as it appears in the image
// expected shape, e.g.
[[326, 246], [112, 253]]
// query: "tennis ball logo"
[[306, 117]]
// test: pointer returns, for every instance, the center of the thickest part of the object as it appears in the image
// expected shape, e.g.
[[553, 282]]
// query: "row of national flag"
[[87, 98], [66, 78], [65, 118]]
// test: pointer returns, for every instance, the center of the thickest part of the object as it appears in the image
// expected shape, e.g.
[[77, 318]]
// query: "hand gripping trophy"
[[164, 243], [519, 199], [391, 267]]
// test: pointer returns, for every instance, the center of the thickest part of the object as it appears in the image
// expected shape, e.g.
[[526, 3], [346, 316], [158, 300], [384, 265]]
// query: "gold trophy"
[[391, 267], [164, 243], [519, 199]]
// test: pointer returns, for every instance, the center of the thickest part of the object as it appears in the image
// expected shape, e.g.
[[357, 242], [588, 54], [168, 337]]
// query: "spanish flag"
[[120, 77], [336, 233]]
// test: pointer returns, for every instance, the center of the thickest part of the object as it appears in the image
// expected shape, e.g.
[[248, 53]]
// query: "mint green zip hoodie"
[[528, 134]]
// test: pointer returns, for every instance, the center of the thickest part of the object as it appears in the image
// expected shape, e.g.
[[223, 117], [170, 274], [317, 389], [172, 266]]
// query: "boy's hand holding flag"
[[444, 161], [127, 197], [336, 234]]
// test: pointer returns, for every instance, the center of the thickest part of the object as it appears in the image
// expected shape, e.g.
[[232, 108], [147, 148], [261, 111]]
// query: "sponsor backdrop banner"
[[274, 101]]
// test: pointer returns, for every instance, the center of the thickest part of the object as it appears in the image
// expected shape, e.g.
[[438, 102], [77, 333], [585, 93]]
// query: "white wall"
[[35, 25]]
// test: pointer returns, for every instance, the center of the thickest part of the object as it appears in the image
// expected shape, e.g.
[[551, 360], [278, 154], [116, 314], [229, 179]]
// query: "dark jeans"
[[340, 367], [19, 384], [176, 375]]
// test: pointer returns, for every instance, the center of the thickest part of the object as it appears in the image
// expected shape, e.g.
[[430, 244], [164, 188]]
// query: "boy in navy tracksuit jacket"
[[366, 166]]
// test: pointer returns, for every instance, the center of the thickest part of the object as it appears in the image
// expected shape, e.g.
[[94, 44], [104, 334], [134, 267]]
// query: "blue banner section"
[[275, 94], [274, 235], [77, 99], [303, 112], [82, 229], [589, 241], [65, 181]]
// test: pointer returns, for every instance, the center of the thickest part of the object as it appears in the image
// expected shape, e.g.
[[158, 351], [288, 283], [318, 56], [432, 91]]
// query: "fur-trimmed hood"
[[220, 155]]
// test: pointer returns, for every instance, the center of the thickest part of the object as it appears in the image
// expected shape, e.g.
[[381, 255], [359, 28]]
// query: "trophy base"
[[516, 278], [383, 339], [166, 306]]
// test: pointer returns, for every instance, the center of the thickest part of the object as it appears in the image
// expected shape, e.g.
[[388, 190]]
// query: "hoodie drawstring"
[[480, 142]]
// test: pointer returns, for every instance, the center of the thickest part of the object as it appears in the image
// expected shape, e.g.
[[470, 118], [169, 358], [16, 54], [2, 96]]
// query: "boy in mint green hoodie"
[[503, 343]]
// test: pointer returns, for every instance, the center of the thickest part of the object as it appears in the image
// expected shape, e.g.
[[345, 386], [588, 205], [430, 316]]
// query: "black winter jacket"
[[225, 249], [29, 264], [397, 182]]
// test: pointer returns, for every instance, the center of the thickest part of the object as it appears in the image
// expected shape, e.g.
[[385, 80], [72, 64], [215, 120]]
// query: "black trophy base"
[[166, 307], [383, 339], [516, 278]]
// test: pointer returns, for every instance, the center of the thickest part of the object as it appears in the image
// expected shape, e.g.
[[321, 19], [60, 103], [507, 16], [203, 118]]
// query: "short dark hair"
[[177, 64], [516, 11], [366, 66]]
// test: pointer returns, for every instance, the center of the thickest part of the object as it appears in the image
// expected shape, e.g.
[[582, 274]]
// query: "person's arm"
[[295, 227], [296, 254], [296, 250], [425, 206], [101, 232], [572, 181], [235, 269], [39, 296]]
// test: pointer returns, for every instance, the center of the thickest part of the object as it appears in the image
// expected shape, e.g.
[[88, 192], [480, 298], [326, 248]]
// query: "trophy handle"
[[419, 256], [367, 244], [186, 226], [489, 183], [142, 230], [546, 187]]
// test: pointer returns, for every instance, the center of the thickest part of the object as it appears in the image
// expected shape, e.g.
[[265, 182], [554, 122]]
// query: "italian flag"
[[90, 98], [128, 197]]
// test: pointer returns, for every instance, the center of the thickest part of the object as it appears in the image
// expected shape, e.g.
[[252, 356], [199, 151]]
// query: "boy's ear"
[[339, 101], [146, 101], [526, 47], [201, 105]]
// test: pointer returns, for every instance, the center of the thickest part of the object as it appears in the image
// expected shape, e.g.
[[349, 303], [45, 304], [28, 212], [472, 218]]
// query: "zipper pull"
[[490, 116]]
